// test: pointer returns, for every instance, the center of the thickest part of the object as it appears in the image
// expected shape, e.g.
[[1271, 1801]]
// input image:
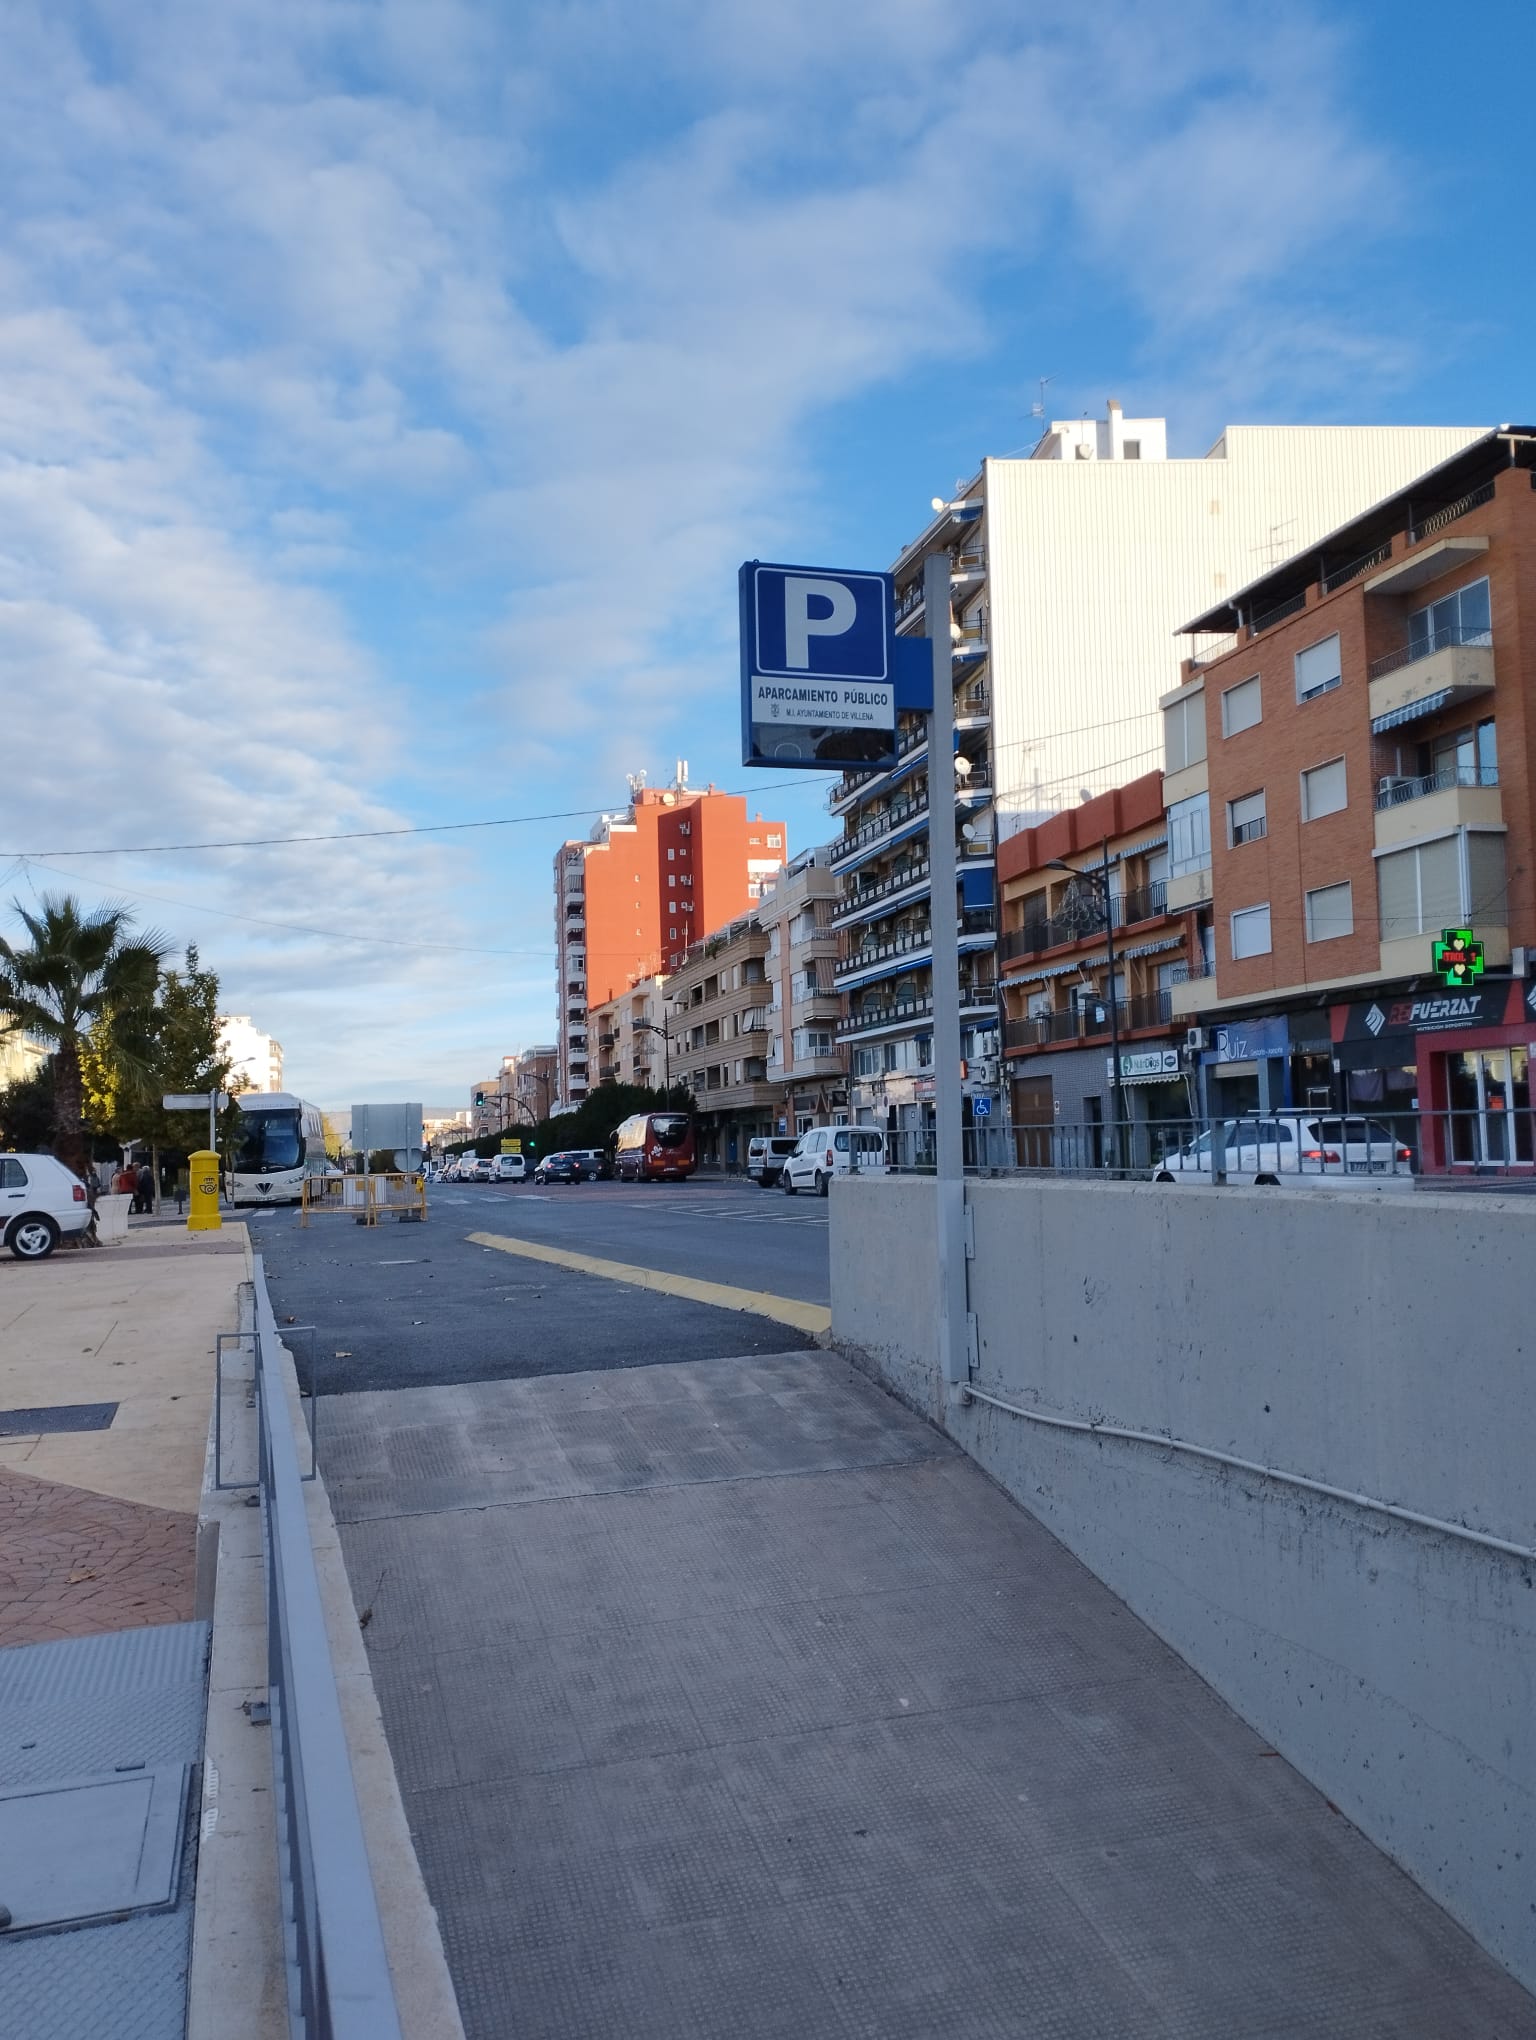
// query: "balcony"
[[1407, 809], [891, 950], [914, 738], [1088, 1023], [973, 705], [868, 838], [1448, 668], [1084, 921], [890, 890]]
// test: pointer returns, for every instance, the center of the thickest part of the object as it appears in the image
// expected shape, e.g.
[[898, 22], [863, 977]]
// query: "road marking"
[[785, 1310]]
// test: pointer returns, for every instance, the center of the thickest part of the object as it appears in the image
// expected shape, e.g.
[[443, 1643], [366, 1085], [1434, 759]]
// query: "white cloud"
[[317, 316]]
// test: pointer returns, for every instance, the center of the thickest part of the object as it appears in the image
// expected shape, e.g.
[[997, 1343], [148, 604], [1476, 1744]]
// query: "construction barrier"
[[366, 1199]]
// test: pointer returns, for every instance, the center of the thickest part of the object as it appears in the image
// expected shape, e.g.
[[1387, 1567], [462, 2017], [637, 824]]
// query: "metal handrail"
[[1393, 792], [339, 1985], [1436, 641], [1438, 519], [857, 902], [1339, 577], [1268, 617]]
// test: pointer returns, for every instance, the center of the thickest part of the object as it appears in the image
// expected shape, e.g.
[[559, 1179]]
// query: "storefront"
[[1457, 1062], [1276, 1062]]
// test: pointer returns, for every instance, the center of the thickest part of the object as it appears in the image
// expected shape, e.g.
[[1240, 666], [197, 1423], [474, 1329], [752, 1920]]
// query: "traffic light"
[[479, 1097]]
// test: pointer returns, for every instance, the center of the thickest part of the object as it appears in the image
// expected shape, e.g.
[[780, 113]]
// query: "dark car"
[[573, 1167]]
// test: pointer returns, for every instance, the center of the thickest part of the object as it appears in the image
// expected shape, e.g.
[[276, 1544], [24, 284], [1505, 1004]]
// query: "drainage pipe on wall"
[[970, 1393]]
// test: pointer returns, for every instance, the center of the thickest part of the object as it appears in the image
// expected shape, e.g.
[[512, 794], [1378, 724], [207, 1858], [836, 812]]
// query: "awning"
[[1152, 948], [1411, 711]]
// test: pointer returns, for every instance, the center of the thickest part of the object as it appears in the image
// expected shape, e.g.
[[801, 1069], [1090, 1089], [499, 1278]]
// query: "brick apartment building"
[[632, 1036], [1054, 958], [634, 897], [1350, 773]]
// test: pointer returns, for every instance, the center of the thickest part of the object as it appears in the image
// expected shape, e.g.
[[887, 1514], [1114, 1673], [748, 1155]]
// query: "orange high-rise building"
[[649, 881]]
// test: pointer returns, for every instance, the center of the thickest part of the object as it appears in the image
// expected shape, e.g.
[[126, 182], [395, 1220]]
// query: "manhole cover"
[[91, 1848]]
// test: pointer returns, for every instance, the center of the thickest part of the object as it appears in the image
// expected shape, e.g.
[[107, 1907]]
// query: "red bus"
[[655, 1145]]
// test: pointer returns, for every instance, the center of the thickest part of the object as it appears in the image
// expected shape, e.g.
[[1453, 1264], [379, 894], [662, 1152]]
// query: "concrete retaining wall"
[[1380, 1345]]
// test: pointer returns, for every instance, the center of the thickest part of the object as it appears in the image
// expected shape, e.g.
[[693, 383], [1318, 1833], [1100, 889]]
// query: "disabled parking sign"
[[818, 667]]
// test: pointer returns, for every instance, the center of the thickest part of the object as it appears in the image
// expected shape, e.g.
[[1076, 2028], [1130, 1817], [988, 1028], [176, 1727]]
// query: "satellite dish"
[[963, 768], [970, 831]]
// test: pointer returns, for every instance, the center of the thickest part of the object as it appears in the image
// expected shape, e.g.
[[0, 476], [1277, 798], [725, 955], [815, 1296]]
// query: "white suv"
[[1301, 1150], [40, 1201], [827, 1151]]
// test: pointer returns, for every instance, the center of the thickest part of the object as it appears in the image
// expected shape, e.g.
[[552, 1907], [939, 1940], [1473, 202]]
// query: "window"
[[1323, 790], [672, 878], [685, 828], [1461, 618], [1318, 668], [1330, 912], [1241, 706], [1130, 449], [1418, 890], [1245, 819], [1250, 932], [671, 854], [1184, 732], [775, 842], [1189, 836]]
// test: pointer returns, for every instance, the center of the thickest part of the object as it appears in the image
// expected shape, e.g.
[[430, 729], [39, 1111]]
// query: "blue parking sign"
[[818, 666]]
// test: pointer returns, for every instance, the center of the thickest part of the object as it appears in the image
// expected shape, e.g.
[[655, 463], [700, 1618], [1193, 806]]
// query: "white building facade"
[[1071, 571], [256, 1060]]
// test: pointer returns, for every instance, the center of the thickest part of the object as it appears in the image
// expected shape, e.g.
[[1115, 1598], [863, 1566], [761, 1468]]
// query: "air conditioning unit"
[[1391, 783], [1196, 1038]]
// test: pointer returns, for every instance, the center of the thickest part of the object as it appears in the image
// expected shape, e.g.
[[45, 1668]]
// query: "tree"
[[26, 1111], [138, 1051], [80, 966]]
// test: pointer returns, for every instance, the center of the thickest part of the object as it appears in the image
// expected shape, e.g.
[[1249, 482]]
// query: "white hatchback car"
[[1302, 1151], [827, 1151], [40, 1201]]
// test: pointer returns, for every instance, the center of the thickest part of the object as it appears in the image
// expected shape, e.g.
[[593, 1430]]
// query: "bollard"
[[203, 1193]]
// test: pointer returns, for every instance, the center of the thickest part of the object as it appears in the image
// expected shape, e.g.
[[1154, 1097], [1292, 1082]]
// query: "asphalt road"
[[411, 1306]]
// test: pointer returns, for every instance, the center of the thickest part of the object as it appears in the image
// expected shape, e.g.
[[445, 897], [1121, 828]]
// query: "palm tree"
[[79, 967]]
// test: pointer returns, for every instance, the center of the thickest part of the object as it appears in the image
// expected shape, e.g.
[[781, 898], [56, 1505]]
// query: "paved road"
[[400, 1305], [728, 1698]]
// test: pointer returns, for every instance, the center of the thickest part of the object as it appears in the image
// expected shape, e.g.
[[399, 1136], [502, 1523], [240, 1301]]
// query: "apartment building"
[[1062, 1010], [632, 1036], [485, 1106], [720, 999], [805, 1062], [633, 898], [1070, 571], [1350, 765], [20, 1056], [255, 1059], [535, 1084]]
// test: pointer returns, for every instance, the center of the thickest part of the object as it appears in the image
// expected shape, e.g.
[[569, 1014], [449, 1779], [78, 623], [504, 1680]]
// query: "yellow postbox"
[[203, 1192]]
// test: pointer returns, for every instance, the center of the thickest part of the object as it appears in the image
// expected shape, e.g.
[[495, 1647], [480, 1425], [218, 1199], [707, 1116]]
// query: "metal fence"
[[367, 1199], [1286, 1145], [339, 1986]]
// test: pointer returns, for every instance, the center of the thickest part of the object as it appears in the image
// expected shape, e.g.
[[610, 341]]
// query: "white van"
[[511, 1169], [827, 1151]]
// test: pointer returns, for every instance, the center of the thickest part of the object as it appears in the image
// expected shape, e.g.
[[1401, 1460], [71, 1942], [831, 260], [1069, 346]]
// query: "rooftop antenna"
[[1037, 408], [636, 784], [682, 773], [1272, 549]]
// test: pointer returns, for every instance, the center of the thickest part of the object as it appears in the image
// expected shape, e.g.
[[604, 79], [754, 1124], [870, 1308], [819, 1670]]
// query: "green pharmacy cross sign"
[[1458, 958]]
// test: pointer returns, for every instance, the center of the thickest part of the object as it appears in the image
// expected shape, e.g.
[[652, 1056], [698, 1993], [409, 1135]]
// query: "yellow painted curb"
[[785, 1310]]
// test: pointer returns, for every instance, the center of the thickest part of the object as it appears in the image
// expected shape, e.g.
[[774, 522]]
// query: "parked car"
[[766, 1155], [1301, 1150], [511, 1169], [481, 1170], [827, 1151], [40, 1201], [570, 1166]]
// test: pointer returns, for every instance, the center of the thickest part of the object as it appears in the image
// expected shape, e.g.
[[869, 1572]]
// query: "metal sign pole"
[[950, 1155]]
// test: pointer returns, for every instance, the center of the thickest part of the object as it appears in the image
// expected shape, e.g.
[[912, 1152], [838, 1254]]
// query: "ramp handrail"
[[339, 1985]]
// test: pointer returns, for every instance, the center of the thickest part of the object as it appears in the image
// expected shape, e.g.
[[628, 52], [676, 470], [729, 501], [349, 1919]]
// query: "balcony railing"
[[1267, 618], [1393, 792], [1434, 641], [859, 901], [1339, 577], [882, 952], [1084, 921], [973, 702], [1436, 520], [882, 825], [1089, 1022]]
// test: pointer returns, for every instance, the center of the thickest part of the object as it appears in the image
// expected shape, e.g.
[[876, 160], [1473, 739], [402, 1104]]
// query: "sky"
[[390, 389]]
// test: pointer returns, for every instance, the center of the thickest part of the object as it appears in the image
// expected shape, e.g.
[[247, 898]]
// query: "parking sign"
[[818, 667]]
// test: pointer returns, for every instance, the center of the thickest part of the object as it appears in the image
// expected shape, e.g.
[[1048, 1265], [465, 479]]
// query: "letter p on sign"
[[835, 612]]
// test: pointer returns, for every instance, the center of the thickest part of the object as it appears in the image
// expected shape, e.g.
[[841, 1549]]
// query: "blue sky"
[[388, 392]]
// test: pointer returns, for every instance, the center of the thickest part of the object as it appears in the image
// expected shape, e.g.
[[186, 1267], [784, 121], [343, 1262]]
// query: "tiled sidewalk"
[[73, 1563]]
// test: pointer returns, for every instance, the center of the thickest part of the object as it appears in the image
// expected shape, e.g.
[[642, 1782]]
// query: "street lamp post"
[[650, 1027], [1100, 880]]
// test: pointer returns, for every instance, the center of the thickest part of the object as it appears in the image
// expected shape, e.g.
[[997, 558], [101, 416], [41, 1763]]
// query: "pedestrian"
[[125, 1183], [144, 1190]]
